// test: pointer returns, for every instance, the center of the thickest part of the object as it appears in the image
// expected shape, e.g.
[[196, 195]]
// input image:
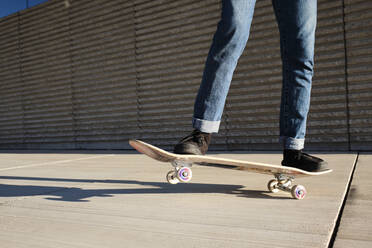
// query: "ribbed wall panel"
[[254, 100], [358, 19], [327, 125], [45, 63], [11, 113], [172, 41], [103, 73], [92, 74]]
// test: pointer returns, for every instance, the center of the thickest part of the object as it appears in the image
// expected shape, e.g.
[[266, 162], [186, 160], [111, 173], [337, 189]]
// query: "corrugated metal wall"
[[253, 104], [358, 43], [45, 77], [11, 107], [172, 42], [92, 74], [103, 73]]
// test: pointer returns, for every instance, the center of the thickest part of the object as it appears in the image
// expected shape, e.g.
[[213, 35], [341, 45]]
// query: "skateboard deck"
[[181, 172]]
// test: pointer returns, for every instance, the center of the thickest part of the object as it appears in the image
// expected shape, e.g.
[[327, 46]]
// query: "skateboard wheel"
[[298, 192], [184, 174], [272, 186], [172, 178]]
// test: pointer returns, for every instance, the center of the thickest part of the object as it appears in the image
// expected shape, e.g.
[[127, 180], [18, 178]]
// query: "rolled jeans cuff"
[[292, 143], [206, 126]]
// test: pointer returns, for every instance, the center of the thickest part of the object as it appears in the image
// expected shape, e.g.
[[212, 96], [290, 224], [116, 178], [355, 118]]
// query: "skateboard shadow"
[[76, 194]]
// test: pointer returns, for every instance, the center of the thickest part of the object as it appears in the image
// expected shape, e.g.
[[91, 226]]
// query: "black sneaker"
[[303, 161], [196, 143]]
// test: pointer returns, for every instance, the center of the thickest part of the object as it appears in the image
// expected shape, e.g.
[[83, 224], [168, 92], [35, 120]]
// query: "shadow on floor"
[[75, 194]]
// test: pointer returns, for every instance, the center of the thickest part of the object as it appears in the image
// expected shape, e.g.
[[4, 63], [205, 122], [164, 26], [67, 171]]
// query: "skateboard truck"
[[284, 182]]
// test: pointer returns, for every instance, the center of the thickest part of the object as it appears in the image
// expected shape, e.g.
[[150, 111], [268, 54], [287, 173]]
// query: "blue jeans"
[[296, 21]]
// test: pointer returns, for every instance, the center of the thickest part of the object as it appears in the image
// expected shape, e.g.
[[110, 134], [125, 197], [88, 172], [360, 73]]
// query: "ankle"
[[291, 154]]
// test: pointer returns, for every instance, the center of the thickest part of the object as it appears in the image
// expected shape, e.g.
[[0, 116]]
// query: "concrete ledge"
[[355, 228]]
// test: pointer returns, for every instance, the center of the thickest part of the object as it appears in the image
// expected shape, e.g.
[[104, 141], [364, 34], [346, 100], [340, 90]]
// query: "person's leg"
[[228, 44], [297, 23]]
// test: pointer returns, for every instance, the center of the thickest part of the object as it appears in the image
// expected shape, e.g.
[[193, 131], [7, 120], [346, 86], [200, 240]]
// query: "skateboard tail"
[[148, 151]]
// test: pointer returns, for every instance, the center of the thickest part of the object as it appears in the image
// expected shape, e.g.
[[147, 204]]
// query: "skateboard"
[[181, 172]]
